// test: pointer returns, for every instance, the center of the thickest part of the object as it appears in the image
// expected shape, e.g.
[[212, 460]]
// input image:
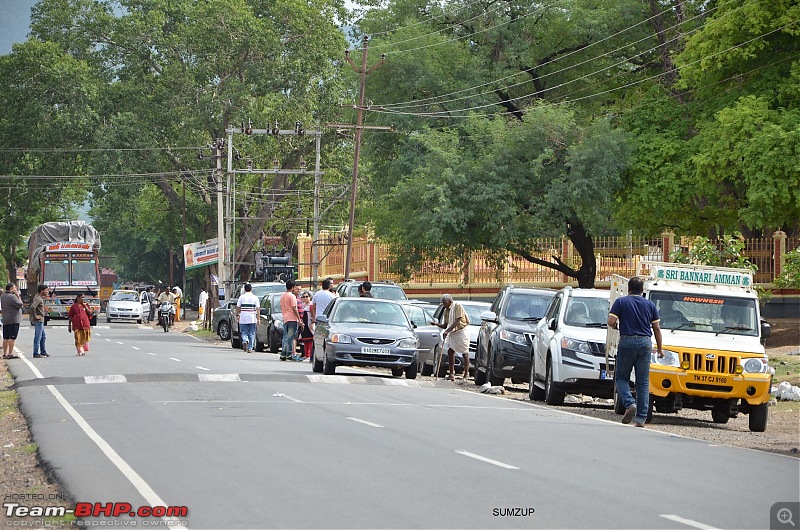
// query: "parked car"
[[569, 347], [474, 310], [429, 336], [269, 330], [506, 335], [125, 305], [365, 332], [260, 289], [385, 290], [221, 320]]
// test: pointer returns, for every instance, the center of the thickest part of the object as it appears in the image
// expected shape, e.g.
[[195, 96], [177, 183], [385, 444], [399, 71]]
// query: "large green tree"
[[178, 74]]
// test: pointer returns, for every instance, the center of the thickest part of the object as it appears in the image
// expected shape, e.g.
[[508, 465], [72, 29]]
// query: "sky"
[[15, 22]]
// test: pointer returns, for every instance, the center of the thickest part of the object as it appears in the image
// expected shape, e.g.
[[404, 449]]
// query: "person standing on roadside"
[[202, 300], [305, 336], [456, 338], [637, 320], [365, 290], [321, 300], [79, 320], [178, 294], [247, 316], [11, 307], [291, 319], [151, 298], [36, 313]]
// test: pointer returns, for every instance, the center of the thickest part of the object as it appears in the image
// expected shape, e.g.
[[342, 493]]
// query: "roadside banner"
[[200, 254]]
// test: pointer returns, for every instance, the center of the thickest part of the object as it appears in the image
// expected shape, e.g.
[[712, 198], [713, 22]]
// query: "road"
[[246, 441]]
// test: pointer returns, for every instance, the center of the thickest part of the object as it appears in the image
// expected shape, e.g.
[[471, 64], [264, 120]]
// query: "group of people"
[[79, 318]]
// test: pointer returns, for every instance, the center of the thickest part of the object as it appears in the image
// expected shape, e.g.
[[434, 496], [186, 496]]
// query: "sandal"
[[12, 356]]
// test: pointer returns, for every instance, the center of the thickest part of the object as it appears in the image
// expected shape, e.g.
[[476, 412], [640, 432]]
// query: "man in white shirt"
[[247, 315], [202, 300], [321, 300]]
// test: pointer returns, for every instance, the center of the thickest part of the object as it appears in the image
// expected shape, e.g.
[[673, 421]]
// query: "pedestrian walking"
[[11, 307], [247, 316], [637, 320], [456, 339], [291, 320], [79, 321], [37, 315], [202, 300]]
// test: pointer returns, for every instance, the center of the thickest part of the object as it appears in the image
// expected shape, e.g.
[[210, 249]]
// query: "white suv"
[[568, 353]]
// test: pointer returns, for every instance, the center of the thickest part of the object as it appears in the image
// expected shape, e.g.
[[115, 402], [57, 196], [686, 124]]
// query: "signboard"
[[200, 254], [64, 245], [706, 276]]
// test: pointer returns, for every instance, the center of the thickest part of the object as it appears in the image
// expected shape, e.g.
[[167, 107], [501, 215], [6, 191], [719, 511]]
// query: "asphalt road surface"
[[240, 440]]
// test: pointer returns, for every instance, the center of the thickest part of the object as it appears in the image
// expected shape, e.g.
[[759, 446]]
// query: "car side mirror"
[[322, 318], [263, 311], [552, 324], [413, 324], [489, 316], [766, 329]]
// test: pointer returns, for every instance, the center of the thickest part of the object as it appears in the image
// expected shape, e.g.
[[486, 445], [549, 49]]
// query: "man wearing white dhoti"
[[456, 338]]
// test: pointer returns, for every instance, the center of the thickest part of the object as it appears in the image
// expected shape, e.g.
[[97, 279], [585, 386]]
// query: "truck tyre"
[[551, 395], [758, 417]]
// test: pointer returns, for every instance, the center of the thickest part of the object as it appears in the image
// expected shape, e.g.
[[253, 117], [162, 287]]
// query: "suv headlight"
[[580, 346], [755, 366], [670, 358], [341, 338], [510, 336], [409, 343]]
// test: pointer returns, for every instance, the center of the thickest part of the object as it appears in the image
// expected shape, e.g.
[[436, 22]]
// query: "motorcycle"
[[165, 315]]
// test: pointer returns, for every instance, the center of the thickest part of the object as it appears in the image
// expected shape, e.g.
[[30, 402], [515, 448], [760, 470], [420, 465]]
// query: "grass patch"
[[8, 398], [787, 368], [30, 448], [786, 407], [203, 333]]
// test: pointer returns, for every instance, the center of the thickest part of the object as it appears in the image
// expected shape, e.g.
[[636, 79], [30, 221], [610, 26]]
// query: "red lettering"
[[83, 509], [121, 508]]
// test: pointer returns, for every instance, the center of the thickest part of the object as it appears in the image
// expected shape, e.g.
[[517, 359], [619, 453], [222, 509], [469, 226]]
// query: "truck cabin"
[[707, 313], [69, 271]]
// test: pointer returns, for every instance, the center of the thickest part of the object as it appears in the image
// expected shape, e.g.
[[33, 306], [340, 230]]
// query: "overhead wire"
[[408, 26], [453, 113], [548, 74]]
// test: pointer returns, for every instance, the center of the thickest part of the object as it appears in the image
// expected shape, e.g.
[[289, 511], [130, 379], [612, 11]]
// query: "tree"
[[179, 73], [499, 184], [46, 117]]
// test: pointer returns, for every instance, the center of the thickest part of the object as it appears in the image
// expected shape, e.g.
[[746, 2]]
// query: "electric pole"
[[363, 71]]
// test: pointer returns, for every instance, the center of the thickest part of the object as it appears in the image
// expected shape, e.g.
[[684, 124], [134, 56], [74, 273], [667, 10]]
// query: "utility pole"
[[359, 122], [315, 235], [218, 143]]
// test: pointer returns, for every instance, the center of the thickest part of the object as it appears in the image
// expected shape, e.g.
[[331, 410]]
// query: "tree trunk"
[[584, 245]]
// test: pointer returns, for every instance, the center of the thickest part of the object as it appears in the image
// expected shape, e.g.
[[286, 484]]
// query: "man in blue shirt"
[[634, 316]]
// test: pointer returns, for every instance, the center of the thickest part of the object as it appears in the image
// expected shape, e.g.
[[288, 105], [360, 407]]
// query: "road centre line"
[[135, 348], [365, 422], [118, 342], [151, 353], [128, 472], [487, 460], [174, 359], [689, 522], [202, 368]]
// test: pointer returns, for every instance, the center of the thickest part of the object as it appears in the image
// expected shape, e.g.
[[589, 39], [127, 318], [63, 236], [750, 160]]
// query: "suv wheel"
[[494, 380], [534, 392], [551, 395]]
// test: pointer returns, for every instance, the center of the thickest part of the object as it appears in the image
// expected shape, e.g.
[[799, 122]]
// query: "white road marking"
[[401, 382], [487, 460], [174, 359], [109, 340], [335, 379], [365, 422], [150, 353], [219, 377], [133, 477], [135, 348], [201, 368], [290, 398], [118, 342], [689, 522], [94, 379]]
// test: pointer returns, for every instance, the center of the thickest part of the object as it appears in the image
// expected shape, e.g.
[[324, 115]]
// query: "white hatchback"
[[124, 305]]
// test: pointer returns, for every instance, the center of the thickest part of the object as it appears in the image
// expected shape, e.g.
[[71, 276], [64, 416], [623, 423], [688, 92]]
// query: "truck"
[[64, 256], [713, 341]]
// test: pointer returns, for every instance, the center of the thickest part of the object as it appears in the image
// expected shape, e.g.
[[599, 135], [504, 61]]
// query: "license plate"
[[710, 379], [605, 375], [368, 349]]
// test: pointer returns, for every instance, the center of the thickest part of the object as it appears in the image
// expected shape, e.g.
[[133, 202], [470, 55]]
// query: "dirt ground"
[[23, 479]]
